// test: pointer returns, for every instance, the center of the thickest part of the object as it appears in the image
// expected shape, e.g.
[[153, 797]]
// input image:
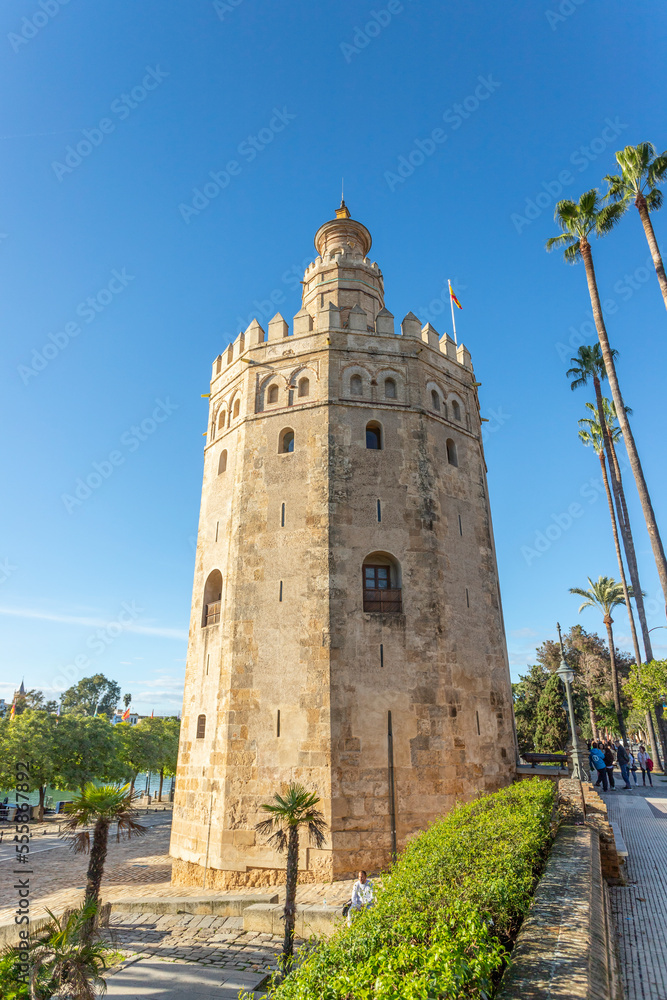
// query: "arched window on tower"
[[272, 395], [222, 420], [212, 599], [222, 463], [435, 399], [390, 388], [201, 727], [304, 387], [286, 441], [237, 408], [374, 436], [456, 410], [356, 386], [452, 456], [382, 583]]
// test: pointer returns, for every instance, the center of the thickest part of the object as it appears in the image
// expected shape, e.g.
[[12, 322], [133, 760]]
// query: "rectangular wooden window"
[[379, 595], [201, 727]]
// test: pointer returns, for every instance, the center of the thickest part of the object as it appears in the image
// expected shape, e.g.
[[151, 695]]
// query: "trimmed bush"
[[446, 914]]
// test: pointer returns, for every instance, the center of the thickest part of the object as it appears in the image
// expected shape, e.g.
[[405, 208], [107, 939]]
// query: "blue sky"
[[104, 261]]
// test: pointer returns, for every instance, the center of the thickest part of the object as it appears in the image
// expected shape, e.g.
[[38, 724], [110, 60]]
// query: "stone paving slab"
[[180, 981], [640, 907]]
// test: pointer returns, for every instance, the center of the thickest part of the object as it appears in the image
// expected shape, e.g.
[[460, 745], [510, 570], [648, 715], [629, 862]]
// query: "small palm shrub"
[[448, 911]]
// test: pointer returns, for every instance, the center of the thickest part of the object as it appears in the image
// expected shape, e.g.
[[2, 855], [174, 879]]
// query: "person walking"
[[596, 762], [632, 765], [609, 763], [623, 759], [642, 758], [363, 896]]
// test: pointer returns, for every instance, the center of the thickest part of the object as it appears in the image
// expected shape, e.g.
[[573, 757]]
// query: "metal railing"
[[212, 613], [383, 600]]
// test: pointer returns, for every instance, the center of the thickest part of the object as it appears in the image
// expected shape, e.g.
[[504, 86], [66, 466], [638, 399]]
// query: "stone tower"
[[346, 627]]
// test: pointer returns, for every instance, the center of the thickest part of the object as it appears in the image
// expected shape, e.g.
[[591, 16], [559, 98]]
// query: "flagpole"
[[451, 303]]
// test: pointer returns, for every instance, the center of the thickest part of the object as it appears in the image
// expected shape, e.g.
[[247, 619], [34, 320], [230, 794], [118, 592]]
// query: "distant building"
[[133, 718]]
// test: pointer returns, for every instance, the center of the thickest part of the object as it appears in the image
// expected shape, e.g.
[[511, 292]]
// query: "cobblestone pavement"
[[218, 941], [640, 908]]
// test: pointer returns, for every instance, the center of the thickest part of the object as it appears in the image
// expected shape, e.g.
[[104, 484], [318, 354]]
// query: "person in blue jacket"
[[596, 762]]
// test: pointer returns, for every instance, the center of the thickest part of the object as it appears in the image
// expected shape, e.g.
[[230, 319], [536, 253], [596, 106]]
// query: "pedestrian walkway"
[[640, 907], [180, 981]]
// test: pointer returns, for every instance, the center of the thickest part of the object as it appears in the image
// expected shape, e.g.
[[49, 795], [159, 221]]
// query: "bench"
[[621, 849], [545, 758]]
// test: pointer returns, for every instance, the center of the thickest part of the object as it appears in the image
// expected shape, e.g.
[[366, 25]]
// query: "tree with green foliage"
[[100, 808], [526, 694], [287, 813], [34, 700], [89, 749], [641, 172], [578, 221], [648, 683], [139, 747], [31, 737], [551, 727], [95, 695], [605, 595]]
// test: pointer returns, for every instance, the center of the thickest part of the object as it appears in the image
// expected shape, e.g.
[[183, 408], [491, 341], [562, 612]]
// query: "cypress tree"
[[551, 728]]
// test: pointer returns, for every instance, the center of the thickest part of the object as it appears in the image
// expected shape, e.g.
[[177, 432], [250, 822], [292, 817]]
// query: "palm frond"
[[654, 200], [609, 217]]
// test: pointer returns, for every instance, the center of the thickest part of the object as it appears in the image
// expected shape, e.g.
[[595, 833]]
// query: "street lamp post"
[[566, 674]]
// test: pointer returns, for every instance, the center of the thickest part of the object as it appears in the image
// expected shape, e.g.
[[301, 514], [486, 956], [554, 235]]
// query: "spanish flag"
[[13, 711], [454, 298], [126, 715]]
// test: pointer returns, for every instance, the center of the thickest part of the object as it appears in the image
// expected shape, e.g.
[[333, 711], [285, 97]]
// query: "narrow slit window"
[[467, 598], [460, 526], [282, 516], [208, 657], [280, 594], [278, 723], [379, 510], [381, 655], [217, 526], [479, 732]]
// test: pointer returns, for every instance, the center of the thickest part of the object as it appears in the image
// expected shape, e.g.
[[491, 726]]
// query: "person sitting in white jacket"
[[362, 896]]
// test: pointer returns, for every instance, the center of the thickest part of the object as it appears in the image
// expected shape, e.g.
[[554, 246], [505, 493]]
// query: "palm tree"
[[288, 812], [606, 594], [591, 435], [589, 366], [101, 807], [63, 962], [641, 171], [577, 221]]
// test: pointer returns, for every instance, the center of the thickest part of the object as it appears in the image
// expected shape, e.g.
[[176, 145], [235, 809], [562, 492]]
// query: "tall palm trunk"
[[608, 620], [159, 794], [619, 557], [642, 208], [42, 794], [631, 447], [290, 897]]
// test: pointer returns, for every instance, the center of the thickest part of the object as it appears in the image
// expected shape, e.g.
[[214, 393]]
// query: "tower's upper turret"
[[342, 273], [343, 235]]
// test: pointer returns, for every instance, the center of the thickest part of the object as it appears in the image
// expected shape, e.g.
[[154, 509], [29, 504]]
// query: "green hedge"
[[446, 914]]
